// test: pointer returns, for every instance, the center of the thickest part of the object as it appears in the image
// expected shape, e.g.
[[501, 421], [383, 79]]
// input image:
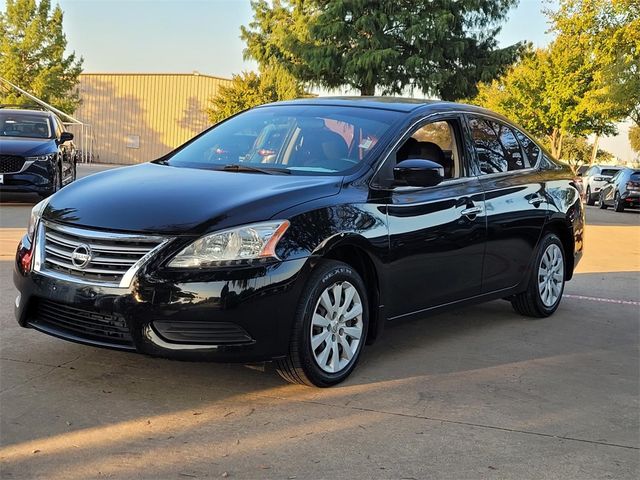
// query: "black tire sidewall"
[[590, 199], [326, 275], [535, 291]]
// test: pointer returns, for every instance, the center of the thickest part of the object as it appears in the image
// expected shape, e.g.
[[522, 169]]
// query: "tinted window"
[[609, 172], [24, 125], [496, 145], [635, 177], [531, 150], [302, 139]]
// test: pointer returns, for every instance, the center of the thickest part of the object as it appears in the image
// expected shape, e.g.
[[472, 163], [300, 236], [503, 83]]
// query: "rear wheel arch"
[[563, 232]]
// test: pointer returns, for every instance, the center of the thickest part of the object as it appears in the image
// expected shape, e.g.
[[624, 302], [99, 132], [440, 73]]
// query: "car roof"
[[42, 113], [400, 104]]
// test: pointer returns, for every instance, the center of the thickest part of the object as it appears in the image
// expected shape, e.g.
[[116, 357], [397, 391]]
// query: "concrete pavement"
[[475, 393]]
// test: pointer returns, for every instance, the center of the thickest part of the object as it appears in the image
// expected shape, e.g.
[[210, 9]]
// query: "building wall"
[[135, 118]]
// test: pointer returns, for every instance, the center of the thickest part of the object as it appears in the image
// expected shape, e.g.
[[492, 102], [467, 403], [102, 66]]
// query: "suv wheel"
[[546, 284], [603, 206], [590, 198], [618, 204], [330, 327]]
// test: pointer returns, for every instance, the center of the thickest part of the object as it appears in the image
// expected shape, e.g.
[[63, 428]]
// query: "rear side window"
[[531, 150], [497, 148]]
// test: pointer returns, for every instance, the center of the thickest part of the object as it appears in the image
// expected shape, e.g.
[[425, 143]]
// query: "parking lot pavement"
[[475, 393]]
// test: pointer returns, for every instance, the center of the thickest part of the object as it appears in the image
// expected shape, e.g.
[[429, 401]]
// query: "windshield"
[[24, 125], [301, 139], [609, 172]]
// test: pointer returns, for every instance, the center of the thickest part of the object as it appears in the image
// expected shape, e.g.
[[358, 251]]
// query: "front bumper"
[[249, 311], [36, 177]]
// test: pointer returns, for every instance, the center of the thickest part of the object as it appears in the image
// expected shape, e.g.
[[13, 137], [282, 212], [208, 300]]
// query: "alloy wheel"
[[336, 327], [551, 275]]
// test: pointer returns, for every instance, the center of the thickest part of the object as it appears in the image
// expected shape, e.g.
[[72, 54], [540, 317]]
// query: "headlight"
[[236, 246], [41, 158], [36, 213]]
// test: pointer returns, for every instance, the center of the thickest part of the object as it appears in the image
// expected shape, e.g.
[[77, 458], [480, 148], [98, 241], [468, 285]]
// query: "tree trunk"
[[368, 90], [594, 152], [556, 138]]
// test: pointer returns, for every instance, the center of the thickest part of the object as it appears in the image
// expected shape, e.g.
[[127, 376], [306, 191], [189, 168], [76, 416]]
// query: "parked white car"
[[595, 178]]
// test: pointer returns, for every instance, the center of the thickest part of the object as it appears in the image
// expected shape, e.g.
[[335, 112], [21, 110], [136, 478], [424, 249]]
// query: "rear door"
[[515, 201], [436, 233]]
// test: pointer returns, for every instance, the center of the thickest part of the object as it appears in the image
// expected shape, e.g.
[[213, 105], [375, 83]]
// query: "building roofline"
[[150, 74]]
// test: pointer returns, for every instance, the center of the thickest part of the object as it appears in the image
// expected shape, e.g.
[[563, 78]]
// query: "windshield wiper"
[[246, 168]]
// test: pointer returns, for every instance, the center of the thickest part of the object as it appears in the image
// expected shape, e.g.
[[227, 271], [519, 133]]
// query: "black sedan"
[[37, 154], [366, 210], [622, 190]]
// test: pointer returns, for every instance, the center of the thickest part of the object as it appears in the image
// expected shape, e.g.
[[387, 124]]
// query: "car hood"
[[164, 199], [26, 147]]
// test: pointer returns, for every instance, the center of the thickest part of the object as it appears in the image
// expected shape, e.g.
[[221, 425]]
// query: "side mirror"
[[65, 137], [418, 173]]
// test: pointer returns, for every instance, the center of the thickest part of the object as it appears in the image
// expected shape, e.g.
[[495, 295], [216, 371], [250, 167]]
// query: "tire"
[[590, 198], [603, 206], [618, 204], [533, 302], [56, 183], [308, 366]]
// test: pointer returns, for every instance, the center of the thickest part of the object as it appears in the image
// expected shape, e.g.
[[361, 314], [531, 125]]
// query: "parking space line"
[[605, 300]]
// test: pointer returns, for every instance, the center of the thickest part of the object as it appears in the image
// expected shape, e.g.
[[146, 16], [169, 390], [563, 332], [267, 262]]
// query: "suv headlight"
[[41, 158], [36, 213], [236, 246]]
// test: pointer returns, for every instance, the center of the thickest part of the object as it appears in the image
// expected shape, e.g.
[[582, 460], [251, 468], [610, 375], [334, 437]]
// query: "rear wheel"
[[546, 284], [618, 204], [590, 198], [330, 327]]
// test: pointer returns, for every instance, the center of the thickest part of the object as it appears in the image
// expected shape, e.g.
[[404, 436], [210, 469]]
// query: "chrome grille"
[[106, 257]]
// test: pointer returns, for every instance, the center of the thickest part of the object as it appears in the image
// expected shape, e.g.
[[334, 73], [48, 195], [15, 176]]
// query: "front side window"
[[435, 141], [24, 125], [303, 139], [496, 146]]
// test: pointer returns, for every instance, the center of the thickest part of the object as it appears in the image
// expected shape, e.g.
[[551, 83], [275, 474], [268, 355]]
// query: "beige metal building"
[[135, 118]]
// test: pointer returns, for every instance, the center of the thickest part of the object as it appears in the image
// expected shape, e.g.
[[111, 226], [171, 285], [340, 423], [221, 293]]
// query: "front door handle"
[[536, 200], [471, 211]]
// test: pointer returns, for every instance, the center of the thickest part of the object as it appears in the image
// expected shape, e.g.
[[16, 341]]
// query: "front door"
[[436, 234]]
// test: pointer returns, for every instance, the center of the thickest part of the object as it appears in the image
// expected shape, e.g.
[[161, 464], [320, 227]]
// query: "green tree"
[[576, 151], [634, 138], [32, 55], [606, 33], [250, 89], [441, 47]]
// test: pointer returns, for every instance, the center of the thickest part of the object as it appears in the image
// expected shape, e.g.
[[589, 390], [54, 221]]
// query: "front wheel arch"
[[357, 258]]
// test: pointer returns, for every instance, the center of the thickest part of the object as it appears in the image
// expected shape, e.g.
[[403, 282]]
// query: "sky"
[[204, 35]]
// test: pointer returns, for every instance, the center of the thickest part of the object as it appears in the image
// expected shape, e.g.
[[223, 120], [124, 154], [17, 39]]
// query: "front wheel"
[[546, 284], [603, 206], [590, 198], [618, 204], [330, 327]]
